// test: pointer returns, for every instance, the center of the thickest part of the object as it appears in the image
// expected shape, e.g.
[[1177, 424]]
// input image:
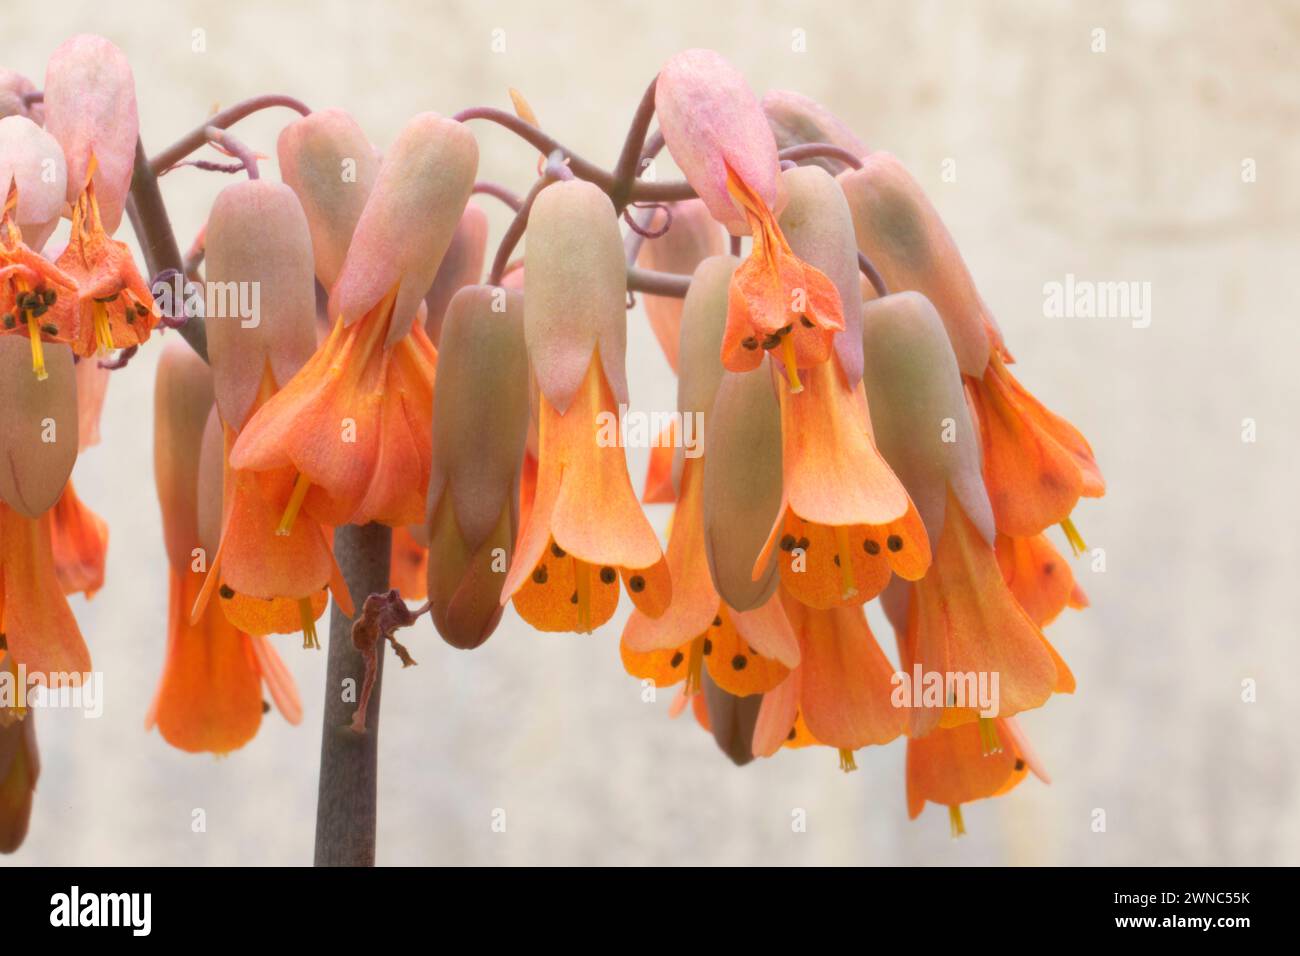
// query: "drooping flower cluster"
[[863, 436]]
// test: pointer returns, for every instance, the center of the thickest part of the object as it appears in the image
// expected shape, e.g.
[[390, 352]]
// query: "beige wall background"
[[1122, 165]]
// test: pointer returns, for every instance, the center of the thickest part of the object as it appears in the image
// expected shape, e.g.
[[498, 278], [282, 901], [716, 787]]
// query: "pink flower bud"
[[918, 410], [259, 260], [819, 227], [711, 121], [31, 158], [327, 161], [14, 88], [480, 424], [90, 109], [423, 185], [575, 296]]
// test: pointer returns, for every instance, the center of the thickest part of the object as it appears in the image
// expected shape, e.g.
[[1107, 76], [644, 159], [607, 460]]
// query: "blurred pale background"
[[1120, 165]]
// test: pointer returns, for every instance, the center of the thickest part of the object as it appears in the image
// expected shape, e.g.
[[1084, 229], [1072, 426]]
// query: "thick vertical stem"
[[346, 799]]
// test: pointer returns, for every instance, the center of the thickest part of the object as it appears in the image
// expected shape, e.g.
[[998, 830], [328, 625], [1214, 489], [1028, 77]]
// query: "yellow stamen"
[[103, 331], [582, 572], [847, 763], [955, 821], [38, 352], [847, 588], [989, 736], [1072, 535], [295, 502], [695, 667], [309, 641], [791, 371]]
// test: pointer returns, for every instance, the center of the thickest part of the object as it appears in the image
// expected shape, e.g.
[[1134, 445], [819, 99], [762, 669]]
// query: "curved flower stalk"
[[1036, 464], [745, 652], [480, 426], [961, 617], [209, 696], [584, 529], [719, 136], [355, 420], [268, 578]]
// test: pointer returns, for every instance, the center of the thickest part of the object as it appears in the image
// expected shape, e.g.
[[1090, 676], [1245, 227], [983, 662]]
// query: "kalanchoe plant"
[[387, 425]]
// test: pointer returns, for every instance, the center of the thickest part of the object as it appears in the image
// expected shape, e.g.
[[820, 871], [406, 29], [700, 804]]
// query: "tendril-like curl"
[[644, 232], [120, 360]]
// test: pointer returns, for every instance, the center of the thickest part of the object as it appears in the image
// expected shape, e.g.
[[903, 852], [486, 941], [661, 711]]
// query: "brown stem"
[[873, 275], [154, 230], [628, 167], [196, 137], [346, 798], [641, 191], [485, 188]]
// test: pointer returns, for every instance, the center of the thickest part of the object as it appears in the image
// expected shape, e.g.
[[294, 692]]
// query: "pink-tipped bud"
[[693, 235], [918, 410], [90, 109], [742, 485], [326, 159], [183, 398], [575, 292], [819, 227], [14, 92], [261, 295], [480, 424], [901, 233], [38, 430], [423, 185], [461, 266], [32, 159], [796, 120], [711, 121]]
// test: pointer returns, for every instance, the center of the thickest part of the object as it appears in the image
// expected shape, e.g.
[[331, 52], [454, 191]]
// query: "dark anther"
[[1020, 765], [895, 543], [636, 583], [557, 550], [771, 342], [4, 643], [105, 300], [804, 544], [708, 647], [608, 575], [836, 559], [50, 329], [791, 735], [676, 661], [573, 598], [141, 309], [130, 318], [266, 707], [50, 297], [871, 546], [9, 320], [227, 591], [750, 343], [788, 543], [539, 575], [738, 662], [805, 322], [785, 331], [717, 620]]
